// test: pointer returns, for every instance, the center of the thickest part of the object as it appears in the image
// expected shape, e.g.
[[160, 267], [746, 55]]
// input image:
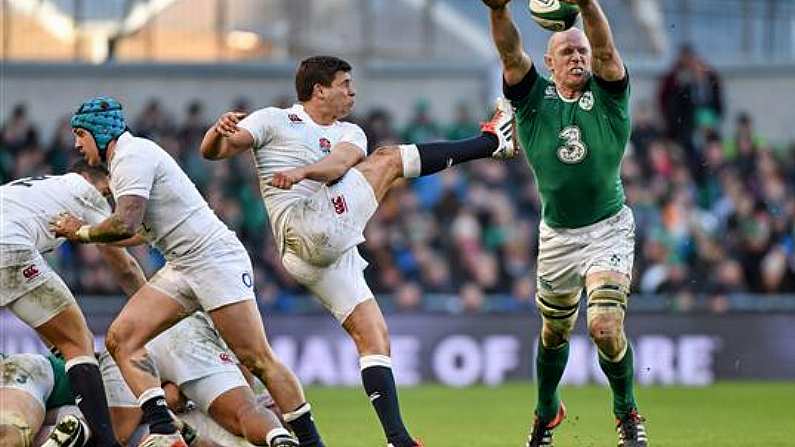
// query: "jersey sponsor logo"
[[325, 145], [295, 119], [586, 101], [30, 272], [225, 358], [573, 150], [340, 206]]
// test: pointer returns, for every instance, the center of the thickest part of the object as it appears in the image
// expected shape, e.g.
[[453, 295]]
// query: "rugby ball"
[[553, 15]]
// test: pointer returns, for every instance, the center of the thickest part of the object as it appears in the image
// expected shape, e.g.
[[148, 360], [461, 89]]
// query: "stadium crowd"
[[714, 213]]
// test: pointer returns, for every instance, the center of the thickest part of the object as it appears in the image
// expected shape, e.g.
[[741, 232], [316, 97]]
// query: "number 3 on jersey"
[[573, 149]]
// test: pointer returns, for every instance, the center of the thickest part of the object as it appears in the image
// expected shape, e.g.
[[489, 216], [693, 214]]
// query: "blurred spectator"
[[422, 128], [690, 98], [463, 126], [408, 297]]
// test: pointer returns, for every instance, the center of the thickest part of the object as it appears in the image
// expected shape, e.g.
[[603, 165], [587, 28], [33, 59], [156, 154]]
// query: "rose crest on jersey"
[[325, 145]]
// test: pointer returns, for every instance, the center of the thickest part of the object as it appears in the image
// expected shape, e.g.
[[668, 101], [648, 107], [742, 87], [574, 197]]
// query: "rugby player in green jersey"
[[574, 128]]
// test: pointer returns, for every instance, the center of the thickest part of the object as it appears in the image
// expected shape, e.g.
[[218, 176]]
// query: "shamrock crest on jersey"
[[586, 101]]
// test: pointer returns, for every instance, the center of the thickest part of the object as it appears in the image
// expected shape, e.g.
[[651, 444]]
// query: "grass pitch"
[[724, 415]]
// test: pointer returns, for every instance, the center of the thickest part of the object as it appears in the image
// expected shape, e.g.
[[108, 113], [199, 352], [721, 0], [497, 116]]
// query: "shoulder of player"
[[135, 150]]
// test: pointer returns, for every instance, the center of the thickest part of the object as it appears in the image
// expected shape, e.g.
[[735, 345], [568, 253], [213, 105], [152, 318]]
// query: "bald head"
[[573, 35]]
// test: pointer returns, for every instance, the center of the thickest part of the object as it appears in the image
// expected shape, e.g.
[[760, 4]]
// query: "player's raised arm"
[[225, 139], [607, 63], [515, 61]]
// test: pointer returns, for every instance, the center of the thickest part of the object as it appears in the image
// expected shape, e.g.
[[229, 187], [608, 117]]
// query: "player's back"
[[177, 220], [289, 138], [29, 204]]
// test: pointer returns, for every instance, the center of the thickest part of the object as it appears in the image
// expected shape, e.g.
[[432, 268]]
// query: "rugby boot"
[[541, 435], [632, 431], [70, 431], [503, 125]]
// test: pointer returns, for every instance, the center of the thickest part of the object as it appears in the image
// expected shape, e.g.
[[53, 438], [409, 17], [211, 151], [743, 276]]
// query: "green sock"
[[550, 364], [621, 378]]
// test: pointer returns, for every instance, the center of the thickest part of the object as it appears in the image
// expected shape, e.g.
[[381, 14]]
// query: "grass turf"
[[726, 415]]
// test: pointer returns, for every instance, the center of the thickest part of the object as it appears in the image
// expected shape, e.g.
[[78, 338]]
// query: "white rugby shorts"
[[567, 255], [219, 275], [30, 373], [29, 287]]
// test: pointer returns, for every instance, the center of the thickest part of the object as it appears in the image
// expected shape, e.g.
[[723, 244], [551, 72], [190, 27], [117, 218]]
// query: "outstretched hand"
[[227, 123], [286, 179], [496, 4]]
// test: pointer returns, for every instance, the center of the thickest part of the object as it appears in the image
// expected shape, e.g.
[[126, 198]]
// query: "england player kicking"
[[192, 356], [574, 128], [31, 290], [320, 188], [207, 268]]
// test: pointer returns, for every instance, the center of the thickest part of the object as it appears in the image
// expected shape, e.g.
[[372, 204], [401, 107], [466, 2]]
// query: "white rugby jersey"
[[177, 219], [28, 205], [288, 138]]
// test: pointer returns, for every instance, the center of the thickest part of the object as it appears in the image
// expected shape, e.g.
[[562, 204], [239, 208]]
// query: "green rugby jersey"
[[574, 147]]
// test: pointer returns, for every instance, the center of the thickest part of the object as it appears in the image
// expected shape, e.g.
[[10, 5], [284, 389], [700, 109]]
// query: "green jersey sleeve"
[[61, 390], [527, 95]]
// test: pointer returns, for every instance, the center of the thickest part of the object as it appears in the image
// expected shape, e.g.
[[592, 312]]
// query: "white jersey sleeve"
[[260, 125], [133, 173], [355, 136]]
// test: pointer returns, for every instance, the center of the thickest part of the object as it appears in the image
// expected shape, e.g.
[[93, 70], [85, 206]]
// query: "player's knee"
[[118, 339], [386, 157], [12, 436], [607, 333], [258, 361], [553, 335]]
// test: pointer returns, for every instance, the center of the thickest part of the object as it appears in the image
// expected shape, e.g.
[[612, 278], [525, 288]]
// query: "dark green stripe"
[[556, 307]]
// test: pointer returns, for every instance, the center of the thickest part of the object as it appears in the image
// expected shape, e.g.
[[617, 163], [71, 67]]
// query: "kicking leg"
[[389, 163], [240, 326], [367, 328]]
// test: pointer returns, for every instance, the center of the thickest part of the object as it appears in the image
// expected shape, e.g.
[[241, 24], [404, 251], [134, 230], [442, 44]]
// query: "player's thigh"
[[382, 168], [240, 326], [150, 311], [69, 332], [21, 416]]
